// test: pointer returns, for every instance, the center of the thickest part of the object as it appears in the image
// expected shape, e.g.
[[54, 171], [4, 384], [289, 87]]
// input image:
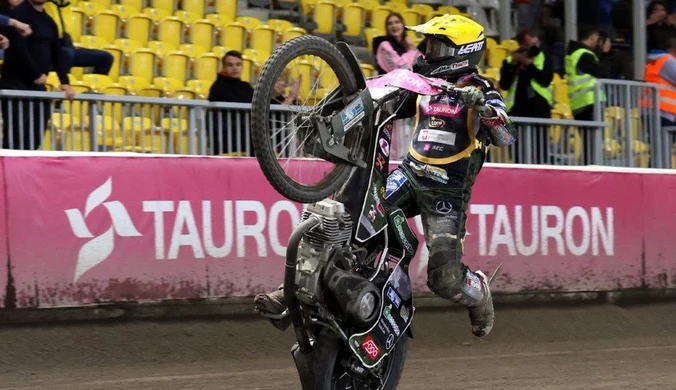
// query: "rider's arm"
[[499, 127]]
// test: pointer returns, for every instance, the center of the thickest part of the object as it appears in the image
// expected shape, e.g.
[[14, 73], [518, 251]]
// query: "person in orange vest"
[[661, 69]]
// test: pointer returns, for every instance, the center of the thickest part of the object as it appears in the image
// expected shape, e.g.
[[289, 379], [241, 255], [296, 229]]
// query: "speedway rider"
[[447, 151]]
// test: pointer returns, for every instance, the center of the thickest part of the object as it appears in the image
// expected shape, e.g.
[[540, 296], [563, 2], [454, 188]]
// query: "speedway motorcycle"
[[346, 280]]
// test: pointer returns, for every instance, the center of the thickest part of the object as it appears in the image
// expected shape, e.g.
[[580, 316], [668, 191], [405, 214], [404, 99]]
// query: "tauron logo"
[[98, 248]]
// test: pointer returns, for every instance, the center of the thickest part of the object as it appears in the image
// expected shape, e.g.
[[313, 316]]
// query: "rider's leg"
[[443, 213]]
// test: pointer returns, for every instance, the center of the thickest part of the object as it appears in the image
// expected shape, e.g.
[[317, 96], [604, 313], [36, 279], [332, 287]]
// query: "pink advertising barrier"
[[100, 228], [4, 257]]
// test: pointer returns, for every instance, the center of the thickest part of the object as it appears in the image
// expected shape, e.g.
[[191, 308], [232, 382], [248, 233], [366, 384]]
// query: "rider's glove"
[[471, 96]]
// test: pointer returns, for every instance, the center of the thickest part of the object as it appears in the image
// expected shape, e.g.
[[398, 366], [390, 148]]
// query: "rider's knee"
[[445, 270]]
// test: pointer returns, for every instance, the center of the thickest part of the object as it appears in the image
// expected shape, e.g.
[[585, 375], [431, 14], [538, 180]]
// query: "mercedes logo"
[[444, 207], [389, 342]]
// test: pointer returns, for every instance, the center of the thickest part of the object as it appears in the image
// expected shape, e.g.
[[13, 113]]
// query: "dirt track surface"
[[580, 347]]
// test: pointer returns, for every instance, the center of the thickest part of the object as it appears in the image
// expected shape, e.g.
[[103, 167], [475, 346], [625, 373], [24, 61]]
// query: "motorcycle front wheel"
[[285, 139]]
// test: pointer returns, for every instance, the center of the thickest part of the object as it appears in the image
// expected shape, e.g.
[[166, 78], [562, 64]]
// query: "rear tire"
[[260, 113]]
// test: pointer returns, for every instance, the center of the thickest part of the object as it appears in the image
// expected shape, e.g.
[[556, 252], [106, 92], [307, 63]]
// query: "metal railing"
[[626, 130]]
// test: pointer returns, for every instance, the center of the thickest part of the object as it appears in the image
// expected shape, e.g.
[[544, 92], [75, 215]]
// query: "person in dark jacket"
[[229, 130], [527, 76], [27, 63], [659, 25]]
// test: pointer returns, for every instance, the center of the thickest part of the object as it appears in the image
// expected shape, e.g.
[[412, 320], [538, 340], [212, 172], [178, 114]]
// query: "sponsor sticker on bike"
[[352, 114], [394, 297], [405, 313], [371, 348], [384, 146], [394, 182]]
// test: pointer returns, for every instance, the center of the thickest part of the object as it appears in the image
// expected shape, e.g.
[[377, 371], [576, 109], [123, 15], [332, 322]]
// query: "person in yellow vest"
[[100, 60], [661, 69], [583, 67], [526, 75]]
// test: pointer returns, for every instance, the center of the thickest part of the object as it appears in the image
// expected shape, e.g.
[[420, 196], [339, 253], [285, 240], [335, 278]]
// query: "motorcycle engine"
[[333, 232]]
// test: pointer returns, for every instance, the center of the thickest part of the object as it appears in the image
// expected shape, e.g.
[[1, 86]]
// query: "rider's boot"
[[272, 305], [476, 295]]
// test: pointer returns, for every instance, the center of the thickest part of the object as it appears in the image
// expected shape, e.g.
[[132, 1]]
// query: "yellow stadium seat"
[[167, 84], [125, 11], [432, 15], [258, 56], [135, 127], [219, 20], [411, 17], [92, 42], [77, 23], [354, 18], [114, 110], [306, 69], [422, 9], [379, 18], [279, 25], [170, 30], [96, 82], [249, 22], [293, 32], [396, 6], [191, 50], [143, 63], [368, 70], [202, 33], [161, 48], [201, 87], [103, 3], [175, 65], [139, 28], [127, 45], [136, 4], [227, 8], [183, 93], [108, 135], [234, 36], [206, 66], [265, 39], [497, 55], [156, 14], [168, 5], [188, 17], [106, 25], [248, 67], [89, 8], [449, 10], [178, 134], [308, 7], [118, 60], [325, 17], [510, 44], [133, 83], [369, 5], [220, 51], [369, 34], [195, 6]]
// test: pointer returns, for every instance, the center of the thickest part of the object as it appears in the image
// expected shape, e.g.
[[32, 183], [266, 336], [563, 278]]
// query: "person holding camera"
[[583, 67], [527, 76]]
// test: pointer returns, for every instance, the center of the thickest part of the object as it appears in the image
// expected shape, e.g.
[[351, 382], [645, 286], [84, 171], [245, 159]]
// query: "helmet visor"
[[438, 50]]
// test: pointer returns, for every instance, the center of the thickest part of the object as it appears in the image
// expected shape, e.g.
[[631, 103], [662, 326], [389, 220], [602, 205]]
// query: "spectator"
[[583, 67], [27, 63], [279, 120], [527, 76], [229, 87], [394, 50], [661, 69], [660, 26], [100, 60], [6, 22]]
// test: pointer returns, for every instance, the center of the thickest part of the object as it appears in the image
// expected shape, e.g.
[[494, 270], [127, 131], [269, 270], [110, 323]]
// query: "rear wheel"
[[285, 139]]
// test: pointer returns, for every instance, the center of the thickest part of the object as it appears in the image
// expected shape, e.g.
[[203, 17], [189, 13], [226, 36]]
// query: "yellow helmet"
[[455, 45]]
